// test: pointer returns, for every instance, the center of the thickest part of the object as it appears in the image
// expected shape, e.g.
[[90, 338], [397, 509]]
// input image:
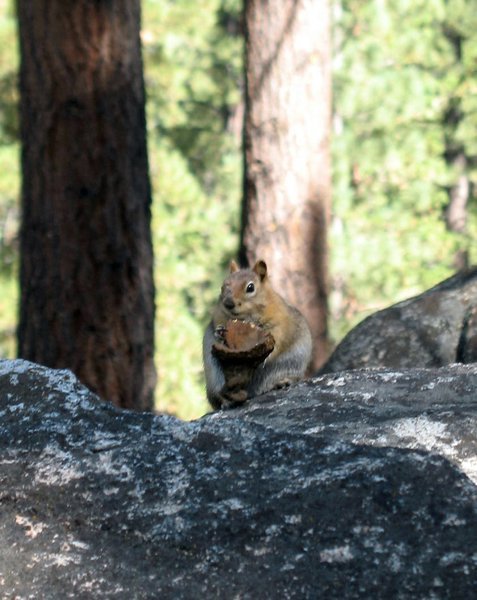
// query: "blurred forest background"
[[404, 209]]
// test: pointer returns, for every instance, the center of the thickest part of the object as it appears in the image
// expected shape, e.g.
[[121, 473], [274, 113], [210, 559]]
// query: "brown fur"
[[248, 295]]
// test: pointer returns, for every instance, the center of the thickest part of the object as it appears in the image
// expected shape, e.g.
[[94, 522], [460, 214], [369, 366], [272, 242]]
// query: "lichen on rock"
[[351, 485]]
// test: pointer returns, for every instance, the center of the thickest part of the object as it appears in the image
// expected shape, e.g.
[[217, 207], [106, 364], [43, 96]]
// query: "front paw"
[[233, 398], [284, 383], [219, 333]]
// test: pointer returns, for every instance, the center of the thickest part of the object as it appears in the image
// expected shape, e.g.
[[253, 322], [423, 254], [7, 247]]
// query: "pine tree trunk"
[[286, 147], [87, 296], [454, 154]]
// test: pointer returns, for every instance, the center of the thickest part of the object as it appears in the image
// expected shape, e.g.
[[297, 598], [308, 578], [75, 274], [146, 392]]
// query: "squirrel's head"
[[243, 291]]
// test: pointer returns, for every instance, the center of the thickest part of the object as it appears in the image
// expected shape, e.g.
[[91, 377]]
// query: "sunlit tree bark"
[[286, 151]]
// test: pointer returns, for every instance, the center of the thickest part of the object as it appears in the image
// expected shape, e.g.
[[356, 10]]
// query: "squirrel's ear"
[[233, 266], [260, 269]]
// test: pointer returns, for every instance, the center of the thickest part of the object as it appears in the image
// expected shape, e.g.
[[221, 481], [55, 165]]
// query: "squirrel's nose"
[[229, 303]]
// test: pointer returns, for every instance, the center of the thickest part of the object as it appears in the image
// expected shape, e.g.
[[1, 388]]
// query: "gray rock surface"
[[353, 485], [436, 328]]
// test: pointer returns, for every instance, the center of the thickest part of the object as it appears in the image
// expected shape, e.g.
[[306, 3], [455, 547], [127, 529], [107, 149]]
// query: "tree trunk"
[[455, 156], [286, 152], [87, 294], [456, 211]]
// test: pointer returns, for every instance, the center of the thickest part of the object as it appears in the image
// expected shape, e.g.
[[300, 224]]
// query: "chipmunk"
[[247, 295]]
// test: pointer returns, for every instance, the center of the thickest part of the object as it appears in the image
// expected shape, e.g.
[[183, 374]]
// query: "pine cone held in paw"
[[240, 348]]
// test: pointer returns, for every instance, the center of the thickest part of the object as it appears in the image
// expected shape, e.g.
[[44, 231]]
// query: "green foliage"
[[192, 70], [8, 75], [396, 73], [189, 229], [9, 179]]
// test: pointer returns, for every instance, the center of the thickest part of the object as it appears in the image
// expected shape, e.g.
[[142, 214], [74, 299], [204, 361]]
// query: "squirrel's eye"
[[250, 288]]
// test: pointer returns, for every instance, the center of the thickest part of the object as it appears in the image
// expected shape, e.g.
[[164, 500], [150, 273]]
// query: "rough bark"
[[286, 151], [87, 297], [455, 156], [459, 191], [456, 211]]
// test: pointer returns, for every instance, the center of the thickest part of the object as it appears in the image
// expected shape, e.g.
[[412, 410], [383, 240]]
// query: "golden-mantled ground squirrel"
[[247, 295]]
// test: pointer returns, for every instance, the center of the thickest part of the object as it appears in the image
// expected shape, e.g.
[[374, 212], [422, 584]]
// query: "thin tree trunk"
[[459, 191], [286, 151], [87, 297]]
